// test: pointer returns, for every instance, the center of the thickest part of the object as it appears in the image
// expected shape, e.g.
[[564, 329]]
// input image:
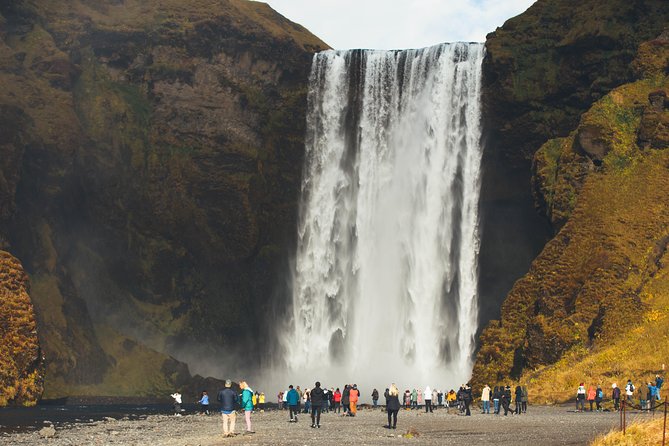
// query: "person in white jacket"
[[485, 399], [428, 399], [177, 403]]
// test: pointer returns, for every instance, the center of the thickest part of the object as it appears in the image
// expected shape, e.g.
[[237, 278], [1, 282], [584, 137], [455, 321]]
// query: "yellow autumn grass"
[[643, 433]]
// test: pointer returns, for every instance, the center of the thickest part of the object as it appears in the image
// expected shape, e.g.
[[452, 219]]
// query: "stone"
[[47, 432]]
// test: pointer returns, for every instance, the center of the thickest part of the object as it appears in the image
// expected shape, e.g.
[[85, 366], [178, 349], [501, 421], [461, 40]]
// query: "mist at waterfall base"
[[385, 279]]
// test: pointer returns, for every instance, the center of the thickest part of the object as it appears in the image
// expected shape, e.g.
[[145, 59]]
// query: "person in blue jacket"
[[204, 402], [228, 399], [293, 400]]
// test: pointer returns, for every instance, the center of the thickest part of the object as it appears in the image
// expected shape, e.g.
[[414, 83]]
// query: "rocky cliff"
[[592, 306], [543, 69], [150, 169]]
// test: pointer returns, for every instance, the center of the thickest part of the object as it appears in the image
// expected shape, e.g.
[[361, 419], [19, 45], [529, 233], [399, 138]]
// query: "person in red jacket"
[[337, 401], [353, 399], [592, 394]]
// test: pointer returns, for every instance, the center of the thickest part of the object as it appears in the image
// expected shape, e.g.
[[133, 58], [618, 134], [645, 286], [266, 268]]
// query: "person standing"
[[434, 398], [659, 381], [440, 398], [293, 399], [496, 395], [353, 396], [392, 406], [177, 403], [592, 394], [375, 397], [580, 398], [652, 396], [284, 400], [485, 399], [419, 398], [345, 401], [247, 404], [261, 400], [317, 399], [525, 398], [518, 394], [337, 400], [615, 395], [599, 397], [414, 399], [407, 399], [428, 399], [506, 399], [228, 399], [629, 392], [467, 398], [204, 402]]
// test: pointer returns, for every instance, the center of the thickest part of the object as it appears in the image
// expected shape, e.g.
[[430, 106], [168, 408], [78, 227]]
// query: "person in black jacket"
[[345, 398], [392, 405], [506, 399], [519, 399], [228, 399], [317, 399], [375, 397], [467, 398]]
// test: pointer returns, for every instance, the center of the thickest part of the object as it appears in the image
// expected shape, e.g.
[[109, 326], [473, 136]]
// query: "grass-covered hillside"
[[594, 305]]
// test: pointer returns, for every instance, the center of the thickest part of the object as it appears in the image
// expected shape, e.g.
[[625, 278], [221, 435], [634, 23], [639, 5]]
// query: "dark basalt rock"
[[149, 179]]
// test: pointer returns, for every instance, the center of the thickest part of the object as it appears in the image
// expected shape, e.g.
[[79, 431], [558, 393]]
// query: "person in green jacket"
[[247, 404]]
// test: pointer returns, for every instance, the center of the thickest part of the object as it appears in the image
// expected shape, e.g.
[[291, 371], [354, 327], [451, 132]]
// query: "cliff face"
[[593, 304], [21, 361], [543, 69], [149, 180]]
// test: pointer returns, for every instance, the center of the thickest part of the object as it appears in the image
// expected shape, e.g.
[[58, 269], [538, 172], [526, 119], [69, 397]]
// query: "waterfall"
[[385, 280]]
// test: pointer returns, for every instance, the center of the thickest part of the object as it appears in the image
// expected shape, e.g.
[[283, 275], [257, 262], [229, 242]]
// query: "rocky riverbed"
[[540, 426]]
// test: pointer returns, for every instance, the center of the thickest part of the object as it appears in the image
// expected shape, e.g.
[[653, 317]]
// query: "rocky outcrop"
[[21, 361], [150, 187], [542, 70], [603, 279]]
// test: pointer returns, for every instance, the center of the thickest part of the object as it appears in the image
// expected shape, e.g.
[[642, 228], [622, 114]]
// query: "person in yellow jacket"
[[261, 401]]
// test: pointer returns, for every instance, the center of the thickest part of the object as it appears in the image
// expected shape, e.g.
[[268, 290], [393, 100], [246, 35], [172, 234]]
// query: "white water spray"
[[385, 286]]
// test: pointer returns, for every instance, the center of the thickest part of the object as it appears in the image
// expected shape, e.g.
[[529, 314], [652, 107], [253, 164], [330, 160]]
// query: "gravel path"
[[541, 426]]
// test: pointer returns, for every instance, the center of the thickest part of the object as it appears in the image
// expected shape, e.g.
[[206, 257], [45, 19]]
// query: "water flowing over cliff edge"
[[386, 265]]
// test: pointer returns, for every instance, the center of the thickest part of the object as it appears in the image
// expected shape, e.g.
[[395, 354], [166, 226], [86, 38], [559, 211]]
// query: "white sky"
[[399, 24]]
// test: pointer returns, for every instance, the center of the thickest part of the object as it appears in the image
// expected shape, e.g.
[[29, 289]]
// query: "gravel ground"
[[540, 426]]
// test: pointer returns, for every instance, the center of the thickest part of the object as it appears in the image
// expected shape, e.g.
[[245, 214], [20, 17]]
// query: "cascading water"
[[385, 285]]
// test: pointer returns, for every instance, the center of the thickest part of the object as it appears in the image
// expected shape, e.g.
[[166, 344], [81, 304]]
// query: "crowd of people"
[[647, 395], [344, 401]]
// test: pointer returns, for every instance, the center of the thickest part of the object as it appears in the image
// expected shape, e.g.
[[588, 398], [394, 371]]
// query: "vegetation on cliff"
[[151, 177], [21, 361], [593, 305]]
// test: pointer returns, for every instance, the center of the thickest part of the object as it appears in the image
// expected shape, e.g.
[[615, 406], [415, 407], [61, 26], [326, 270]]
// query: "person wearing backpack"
[[629, 392], [599, 396], [580, 398]]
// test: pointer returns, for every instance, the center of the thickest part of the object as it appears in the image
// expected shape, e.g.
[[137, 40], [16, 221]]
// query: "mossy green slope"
[[591, 307]]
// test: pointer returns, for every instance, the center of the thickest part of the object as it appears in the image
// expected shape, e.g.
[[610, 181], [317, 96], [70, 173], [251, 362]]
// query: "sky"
[[399, 24]]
